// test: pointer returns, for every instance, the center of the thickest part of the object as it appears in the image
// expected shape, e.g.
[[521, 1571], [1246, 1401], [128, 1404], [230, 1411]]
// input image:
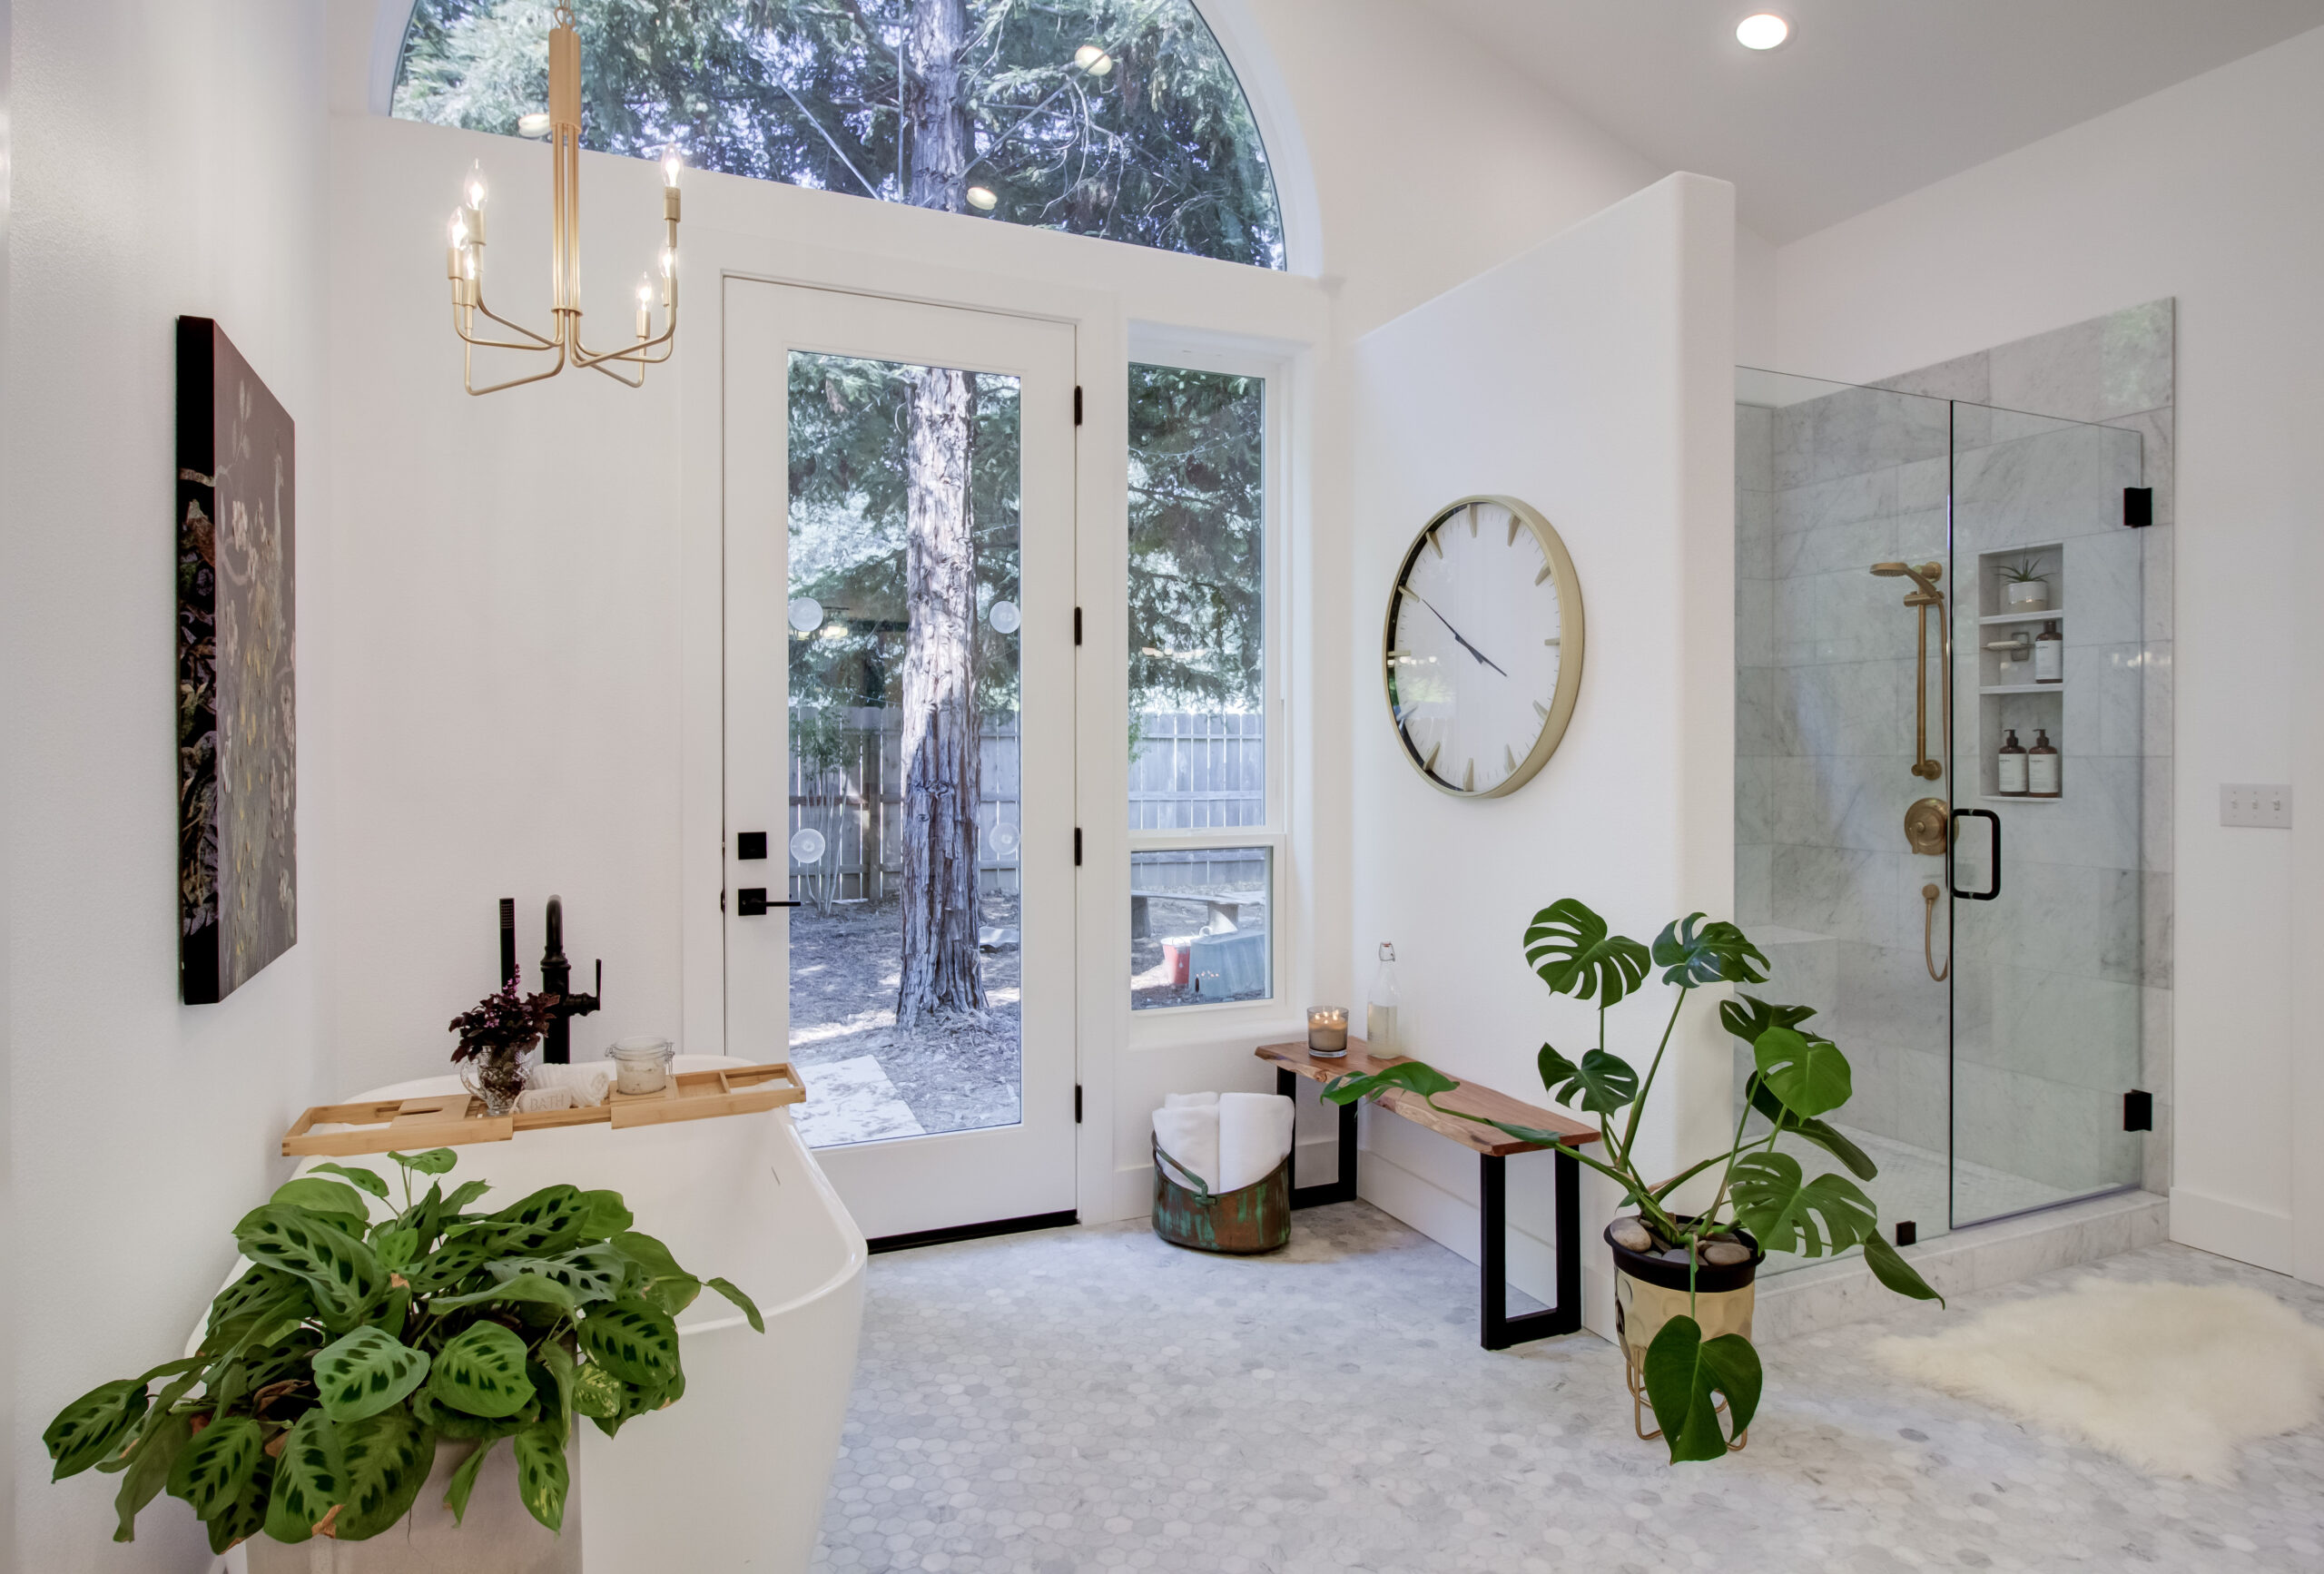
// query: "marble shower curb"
[[1979, 1257]]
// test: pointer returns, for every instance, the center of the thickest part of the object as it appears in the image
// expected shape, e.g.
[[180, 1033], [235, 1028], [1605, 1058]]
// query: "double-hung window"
[[1207, 777]]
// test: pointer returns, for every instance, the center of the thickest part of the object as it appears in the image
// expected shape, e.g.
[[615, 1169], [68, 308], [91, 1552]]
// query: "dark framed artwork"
[[238, 777]]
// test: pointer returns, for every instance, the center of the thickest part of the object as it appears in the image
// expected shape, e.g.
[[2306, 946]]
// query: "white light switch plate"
[[2264, 803]]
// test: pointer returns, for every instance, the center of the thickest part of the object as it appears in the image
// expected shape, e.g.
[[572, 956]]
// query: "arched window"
[[1115, 118]]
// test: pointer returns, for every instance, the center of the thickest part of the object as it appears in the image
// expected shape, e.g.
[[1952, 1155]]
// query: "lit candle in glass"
[[1327, 1030]]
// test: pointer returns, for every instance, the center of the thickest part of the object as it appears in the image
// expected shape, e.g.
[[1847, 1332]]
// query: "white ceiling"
[[1871, 98]]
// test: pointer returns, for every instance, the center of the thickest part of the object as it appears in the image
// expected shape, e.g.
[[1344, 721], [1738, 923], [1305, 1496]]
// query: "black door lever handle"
[[750, 902]]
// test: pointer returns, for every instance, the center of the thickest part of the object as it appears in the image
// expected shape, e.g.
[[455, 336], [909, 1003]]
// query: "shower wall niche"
[[1993, 1032]]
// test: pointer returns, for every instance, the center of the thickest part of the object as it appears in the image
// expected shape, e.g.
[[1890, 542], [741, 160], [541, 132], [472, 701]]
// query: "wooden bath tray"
[[449, 1120]]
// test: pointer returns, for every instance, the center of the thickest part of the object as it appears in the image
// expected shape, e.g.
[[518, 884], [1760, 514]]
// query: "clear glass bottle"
[[2010, 762], [2050, 655], [2041, 779], [1380, 1006]]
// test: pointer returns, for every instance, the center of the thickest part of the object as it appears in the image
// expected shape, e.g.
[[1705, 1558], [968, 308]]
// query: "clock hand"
[[1456, 633]]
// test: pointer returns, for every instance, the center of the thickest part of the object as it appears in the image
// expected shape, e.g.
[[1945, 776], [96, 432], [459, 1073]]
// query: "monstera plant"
[[328, 1374], [1798, 1077]]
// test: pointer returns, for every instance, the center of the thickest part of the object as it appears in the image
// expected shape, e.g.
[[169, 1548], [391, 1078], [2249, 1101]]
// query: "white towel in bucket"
[[1190, 1101], [1190, 1135], [1253, 1134]]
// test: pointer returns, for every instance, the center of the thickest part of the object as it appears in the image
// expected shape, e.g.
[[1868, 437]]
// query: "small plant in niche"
[[328, 1375], [1762, 1200], [2025, 571]]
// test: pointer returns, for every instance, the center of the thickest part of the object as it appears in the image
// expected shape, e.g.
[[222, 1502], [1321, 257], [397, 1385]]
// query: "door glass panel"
[[2048, 985], [903, 830]]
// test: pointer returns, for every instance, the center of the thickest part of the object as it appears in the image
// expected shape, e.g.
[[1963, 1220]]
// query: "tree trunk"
[[937, 104], [941, 971]]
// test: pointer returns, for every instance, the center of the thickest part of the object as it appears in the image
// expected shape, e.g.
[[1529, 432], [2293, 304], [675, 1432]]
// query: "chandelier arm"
[[468, 337], [468, 374], [629, 352], [625, 358], [600, 366], [540, 341], [584, 356]]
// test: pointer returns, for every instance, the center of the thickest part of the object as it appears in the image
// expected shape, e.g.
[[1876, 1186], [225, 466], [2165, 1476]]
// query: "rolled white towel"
[[1189, 1136], [588, 1081], [1253, 1134], [1190, 1101]]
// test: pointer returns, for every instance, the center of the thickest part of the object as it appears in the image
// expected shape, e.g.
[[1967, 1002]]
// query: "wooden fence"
[[1191, 773]]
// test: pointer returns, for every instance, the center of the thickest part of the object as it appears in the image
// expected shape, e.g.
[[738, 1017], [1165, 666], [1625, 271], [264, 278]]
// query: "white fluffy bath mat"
[[2170, 1377]]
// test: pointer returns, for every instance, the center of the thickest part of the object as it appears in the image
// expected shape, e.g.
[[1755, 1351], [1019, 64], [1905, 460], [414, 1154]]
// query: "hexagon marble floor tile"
[[1093, 1399]]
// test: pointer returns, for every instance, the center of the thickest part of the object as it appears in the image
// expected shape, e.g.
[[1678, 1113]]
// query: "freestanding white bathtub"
[[732, 1476]]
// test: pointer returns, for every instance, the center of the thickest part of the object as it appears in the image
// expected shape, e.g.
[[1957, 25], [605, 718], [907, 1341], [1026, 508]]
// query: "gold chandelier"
[[464, 258]]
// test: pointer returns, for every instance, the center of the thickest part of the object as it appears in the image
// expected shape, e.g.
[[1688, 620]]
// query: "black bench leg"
[[1500, 1330], [1342, 1190]]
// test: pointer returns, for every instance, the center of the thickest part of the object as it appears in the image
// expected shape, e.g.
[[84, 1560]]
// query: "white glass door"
[[899, 722]]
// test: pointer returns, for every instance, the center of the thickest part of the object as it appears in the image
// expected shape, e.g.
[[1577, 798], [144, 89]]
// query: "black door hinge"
[[1077, 847], [1077, 625], [2138, 1110], [2138, 507], [1077, 1104], [1076, 404]]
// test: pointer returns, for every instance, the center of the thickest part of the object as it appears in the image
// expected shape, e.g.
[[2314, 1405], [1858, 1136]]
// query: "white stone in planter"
[[497, 1537]]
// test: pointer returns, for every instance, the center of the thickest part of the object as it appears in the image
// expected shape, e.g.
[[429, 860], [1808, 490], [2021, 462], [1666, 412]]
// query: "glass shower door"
[[1840, 735], [2051, 657]]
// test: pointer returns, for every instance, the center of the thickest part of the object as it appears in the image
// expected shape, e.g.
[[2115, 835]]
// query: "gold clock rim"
[[1571, 640]]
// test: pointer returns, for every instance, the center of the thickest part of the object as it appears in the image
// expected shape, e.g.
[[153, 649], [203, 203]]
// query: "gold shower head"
[[1925, 576]]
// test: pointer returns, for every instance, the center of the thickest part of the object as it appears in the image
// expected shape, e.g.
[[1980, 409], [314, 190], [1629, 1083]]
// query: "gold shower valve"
[[1926, 825]]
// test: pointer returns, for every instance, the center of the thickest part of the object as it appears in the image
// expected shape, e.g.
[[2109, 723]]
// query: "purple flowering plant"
[[503, 1021]]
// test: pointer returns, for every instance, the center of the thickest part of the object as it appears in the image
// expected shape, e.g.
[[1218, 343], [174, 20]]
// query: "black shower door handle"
[[1958, 816]]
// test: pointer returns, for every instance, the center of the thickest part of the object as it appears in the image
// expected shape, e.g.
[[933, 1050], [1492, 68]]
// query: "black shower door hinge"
[[1076, 404], [2138, 1110], [2138, 507]]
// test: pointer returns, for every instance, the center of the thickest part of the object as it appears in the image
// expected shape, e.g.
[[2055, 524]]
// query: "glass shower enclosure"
[[1941, 699]]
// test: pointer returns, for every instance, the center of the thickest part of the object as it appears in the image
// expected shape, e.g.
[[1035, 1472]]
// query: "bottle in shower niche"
[[2011, 760], [2041, 767], [2050, 655], [1380, 1004]]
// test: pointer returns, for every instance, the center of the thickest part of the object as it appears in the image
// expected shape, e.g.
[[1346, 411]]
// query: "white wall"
[[2206, 192], [168, 159], [1590, 377]]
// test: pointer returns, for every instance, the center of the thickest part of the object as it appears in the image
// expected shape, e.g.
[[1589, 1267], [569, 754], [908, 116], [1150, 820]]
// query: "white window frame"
[[1196, 351]]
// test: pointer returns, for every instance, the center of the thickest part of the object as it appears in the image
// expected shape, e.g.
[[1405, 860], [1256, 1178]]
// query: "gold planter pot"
[[1650, 1291]]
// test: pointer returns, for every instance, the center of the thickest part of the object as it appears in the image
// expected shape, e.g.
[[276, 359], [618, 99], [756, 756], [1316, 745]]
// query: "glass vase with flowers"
[[498, 1034]]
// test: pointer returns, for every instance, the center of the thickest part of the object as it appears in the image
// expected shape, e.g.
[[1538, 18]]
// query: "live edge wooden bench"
[[1498, 1330]]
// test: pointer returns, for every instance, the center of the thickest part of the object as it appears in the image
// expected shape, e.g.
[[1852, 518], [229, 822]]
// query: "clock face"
[[1483, 647]]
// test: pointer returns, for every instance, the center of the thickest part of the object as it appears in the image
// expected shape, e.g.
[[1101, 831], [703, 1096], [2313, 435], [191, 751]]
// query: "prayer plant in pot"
[[328, 1375], [1762, 1201]]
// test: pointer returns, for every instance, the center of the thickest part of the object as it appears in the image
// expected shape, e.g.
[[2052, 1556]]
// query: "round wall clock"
[[1483, 647]]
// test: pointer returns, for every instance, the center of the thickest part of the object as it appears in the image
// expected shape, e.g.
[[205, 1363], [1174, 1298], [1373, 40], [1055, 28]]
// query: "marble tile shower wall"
[[2060, 998]]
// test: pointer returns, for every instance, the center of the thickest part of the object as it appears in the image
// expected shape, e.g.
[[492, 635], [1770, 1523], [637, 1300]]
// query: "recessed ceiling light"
[[982, 199], [1764, 31]]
